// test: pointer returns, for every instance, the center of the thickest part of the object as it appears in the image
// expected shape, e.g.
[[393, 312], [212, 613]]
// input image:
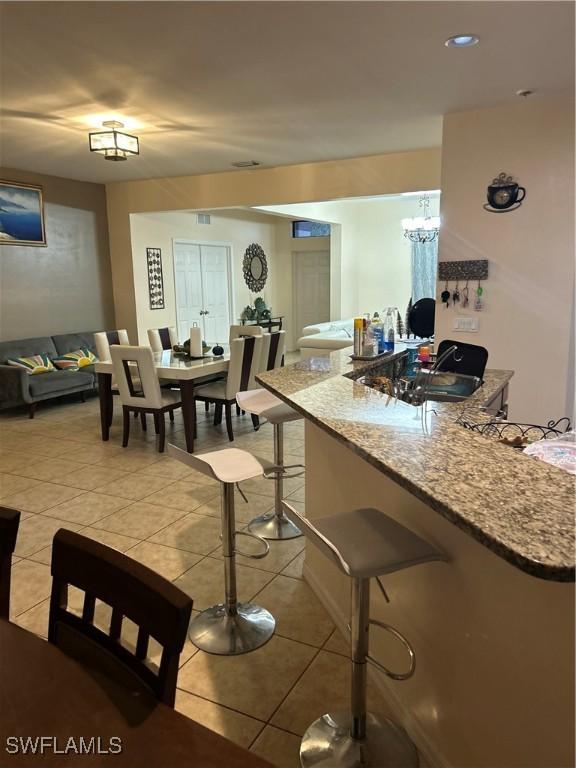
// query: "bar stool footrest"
[[216, 631], [259, 539], [327, 744]]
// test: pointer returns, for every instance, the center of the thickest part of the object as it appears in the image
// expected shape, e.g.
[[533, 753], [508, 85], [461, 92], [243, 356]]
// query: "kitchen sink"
[[438, 387]]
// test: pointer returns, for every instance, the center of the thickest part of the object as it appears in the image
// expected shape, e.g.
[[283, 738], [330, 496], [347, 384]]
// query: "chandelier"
[[422, 229], [113, 143]]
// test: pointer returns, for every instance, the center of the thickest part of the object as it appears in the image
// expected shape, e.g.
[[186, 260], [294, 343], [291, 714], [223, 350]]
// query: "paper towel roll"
[[195, 342]]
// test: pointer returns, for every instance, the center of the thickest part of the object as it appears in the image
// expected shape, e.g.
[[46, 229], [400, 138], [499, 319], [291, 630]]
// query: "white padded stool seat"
[[260, 402], [366, 542], [230, 465]]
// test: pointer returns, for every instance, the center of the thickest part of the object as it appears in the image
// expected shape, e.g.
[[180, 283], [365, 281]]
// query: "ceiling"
[[207, 84]]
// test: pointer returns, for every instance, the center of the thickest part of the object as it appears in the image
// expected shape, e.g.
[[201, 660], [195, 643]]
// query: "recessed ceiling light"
[[525, 92], [245, 163], [461, 41]]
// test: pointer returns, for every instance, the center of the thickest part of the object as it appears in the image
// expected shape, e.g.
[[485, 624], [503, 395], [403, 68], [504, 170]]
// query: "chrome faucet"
[[423, 381]]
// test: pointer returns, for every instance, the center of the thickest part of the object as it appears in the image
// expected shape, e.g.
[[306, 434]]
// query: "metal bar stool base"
[[217, 631], [327, 744], [274, 527]]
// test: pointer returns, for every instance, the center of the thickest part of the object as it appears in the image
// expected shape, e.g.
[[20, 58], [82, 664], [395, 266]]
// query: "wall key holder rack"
[[463, 270]]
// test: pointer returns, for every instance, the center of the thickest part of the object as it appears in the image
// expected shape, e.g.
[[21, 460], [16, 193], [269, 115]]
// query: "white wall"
[[236, 228], [370, 257], [528, 321]]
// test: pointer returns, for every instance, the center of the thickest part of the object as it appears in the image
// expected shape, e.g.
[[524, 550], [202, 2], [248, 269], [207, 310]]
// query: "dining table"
[[170, 366], [56, 713]]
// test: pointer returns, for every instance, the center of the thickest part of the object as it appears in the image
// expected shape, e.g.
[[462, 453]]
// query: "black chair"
[[158, 608], [469, 359], [9, 522]]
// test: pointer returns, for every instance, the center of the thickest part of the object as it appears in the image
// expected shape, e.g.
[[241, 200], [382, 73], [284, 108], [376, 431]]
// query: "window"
[[310, 229]]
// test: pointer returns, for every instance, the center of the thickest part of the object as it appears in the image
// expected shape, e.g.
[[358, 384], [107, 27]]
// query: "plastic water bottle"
[[389, 329]]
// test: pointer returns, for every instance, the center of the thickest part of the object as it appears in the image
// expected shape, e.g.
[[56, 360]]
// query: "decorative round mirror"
[[255, 268]]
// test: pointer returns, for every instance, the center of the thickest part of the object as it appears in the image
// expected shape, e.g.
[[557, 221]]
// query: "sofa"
[[17, 387], [323, 338]]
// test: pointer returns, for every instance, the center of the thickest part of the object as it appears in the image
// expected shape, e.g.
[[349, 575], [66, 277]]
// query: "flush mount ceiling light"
[[422, 229], [461, 41], [113, 143]]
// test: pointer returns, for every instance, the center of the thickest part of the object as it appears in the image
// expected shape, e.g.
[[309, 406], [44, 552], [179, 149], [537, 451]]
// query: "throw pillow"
[[79, 358], [33, 365]]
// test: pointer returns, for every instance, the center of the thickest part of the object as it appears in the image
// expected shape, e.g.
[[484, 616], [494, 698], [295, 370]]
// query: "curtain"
[[424, 268]]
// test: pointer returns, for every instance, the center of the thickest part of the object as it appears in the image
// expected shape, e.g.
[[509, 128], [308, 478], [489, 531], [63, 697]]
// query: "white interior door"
[[215, 288], [188, 286], [312, 289]]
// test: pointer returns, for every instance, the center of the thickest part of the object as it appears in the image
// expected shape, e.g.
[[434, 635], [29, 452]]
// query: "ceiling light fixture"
[[245, 163], [461, 41], [113, 143], [422, 229]]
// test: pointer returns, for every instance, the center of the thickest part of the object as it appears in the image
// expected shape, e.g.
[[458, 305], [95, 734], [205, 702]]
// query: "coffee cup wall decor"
[[504, 194]]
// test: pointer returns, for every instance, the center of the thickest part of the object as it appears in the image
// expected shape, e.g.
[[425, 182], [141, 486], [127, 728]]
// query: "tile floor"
[[59, 473]]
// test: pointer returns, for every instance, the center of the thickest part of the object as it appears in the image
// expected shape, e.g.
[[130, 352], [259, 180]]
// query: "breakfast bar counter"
[[493, 626]]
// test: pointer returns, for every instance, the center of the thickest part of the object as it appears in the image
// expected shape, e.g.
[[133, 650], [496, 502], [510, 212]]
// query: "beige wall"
[[528, 322], [235, 228], [371, 256], [376, 175], [66, 286]]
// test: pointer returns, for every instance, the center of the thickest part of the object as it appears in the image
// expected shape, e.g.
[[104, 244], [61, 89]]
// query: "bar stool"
[[229, 628], [264, 404], [363, 544]]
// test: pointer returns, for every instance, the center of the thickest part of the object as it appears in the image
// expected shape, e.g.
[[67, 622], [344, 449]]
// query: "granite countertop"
[[517, 506]]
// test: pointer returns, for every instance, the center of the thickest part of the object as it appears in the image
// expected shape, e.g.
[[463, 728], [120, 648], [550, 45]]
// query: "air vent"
[[203, 218], [246, 163]]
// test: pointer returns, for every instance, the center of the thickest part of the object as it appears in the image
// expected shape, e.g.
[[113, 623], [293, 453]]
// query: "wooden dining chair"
[[134, 592], [104, 339], [239, 331], [161, 339], [245, 355], [140, 390], [272, 350], [9, 522]]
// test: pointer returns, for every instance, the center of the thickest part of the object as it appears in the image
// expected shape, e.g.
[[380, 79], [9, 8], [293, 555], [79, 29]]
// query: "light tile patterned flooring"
[[59, 473]]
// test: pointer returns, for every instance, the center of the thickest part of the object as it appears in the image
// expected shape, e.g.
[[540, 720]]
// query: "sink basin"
[[439, 387], [446, 387]]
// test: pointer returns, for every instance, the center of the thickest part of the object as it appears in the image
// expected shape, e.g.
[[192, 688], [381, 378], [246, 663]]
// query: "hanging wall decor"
[[255, 268], [504, 194], [155, 278], [21, 214]]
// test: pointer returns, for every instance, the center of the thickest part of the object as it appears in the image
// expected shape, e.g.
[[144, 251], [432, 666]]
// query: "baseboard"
[[431, 756]]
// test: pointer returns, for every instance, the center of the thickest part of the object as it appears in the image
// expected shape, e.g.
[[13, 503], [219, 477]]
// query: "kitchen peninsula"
[[493, 628]]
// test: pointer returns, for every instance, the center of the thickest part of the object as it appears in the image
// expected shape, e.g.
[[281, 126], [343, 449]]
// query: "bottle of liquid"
[[368, 340], [378, 331], [358, 325], [389, 329]]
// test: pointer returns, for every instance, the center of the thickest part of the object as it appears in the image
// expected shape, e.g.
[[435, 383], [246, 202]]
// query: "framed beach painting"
[[21, 214]]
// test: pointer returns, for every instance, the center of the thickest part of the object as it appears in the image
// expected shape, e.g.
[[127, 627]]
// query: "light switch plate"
[[465, 324]]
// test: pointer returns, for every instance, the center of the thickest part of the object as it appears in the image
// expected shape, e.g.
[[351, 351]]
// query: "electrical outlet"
[[465, 324]]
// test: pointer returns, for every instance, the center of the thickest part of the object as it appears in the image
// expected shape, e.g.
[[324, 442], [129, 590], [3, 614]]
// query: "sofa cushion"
[[60, 382], [42, 345], [69, 342], [80, 358], [33, 365]]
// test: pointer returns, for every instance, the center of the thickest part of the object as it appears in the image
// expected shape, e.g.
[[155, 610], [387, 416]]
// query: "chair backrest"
[[136, 376], [272, 350], [245, 356], [238, 331], [9, 522], [158, 608], [469, 359], [162, 338], [103, 340]]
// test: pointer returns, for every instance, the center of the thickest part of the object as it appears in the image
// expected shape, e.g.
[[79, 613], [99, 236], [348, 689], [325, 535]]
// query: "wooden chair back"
[[103, 340], [138, 382], [9, 522], [161, 339], [158, 608], [273, 347]]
